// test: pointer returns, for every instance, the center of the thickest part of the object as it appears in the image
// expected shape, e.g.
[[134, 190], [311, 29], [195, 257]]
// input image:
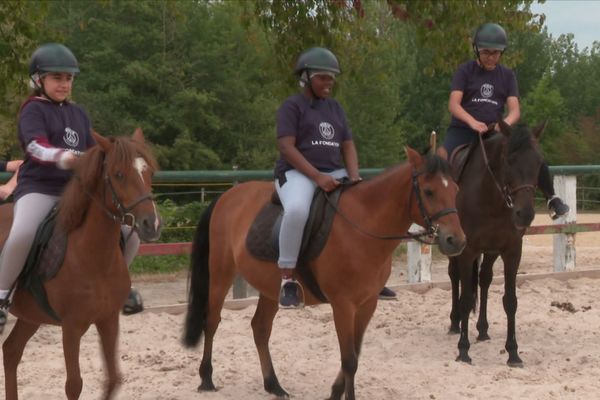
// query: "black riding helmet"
[[53, 57], [317, 58], [489, 36]]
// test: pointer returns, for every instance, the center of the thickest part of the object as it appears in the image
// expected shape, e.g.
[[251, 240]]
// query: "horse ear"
[[539, 130], [413, 157], [138, 135], [504, 128], [103, 142]]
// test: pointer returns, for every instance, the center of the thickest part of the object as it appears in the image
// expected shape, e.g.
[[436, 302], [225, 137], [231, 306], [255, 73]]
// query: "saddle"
[[458, 159], [45, 258], [44, 261], [262, 240]]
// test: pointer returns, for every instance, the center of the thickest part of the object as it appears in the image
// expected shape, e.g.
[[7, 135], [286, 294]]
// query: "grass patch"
[[168, 264]]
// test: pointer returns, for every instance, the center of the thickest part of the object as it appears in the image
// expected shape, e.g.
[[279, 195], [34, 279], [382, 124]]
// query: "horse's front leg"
[[509, 300], [12, 351], [486, 274], [363, 316], [71, 335], [466, 305], [454, 275], [344, 316], [108, 329], [262, 324]]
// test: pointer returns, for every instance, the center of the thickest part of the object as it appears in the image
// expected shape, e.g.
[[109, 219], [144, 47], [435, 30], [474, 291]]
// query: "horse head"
[[434, 207], [521, 165]]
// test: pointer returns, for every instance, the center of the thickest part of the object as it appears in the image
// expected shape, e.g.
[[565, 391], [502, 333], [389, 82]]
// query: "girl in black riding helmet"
[[481, 89], [52, 131], [316, 149]]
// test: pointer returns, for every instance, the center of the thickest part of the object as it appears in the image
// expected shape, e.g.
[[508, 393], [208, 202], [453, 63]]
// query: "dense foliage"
[[204, 78]]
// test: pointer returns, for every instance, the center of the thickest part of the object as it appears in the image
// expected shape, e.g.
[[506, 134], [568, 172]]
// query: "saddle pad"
[[262, 240]]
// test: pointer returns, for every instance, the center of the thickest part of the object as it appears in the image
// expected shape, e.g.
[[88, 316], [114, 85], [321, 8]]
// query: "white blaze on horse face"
[[445, 182], [140, 166]]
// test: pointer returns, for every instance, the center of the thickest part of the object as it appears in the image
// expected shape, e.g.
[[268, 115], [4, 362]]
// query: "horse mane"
[[87, 176], [435, 164], [520, 139]]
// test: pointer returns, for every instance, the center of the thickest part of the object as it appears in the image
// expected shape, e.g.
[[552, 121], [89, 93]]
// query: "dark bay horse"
[[111, 185], [350, 271], [495, 205]]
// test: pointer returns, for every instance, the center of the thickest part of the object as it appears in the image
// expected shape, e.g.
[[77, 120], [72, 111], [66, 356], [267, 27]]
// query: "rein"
[[430, 231], [504, 191]]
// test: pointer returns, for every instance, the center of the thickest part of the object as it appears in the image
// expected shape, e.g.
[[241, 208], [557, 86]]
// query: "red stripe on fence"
[[161, 249]]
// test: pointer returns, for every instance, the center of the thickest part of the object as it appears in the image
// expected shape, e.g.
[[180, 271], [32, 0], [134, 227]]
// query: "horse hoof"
[[207, 387], [483, 337], [464, 358], [453, 330], [518, 363]]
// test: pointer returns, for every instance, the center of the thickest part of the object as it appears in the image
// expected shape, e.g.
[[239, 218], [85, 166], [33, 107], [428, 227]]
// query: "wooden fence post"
[[419, 259], [564, 243]]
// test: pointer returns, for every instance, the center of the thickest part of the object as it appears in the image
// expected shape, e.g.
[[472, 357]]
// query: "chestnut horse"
[[111, 185], [351, 269], [495, 205]]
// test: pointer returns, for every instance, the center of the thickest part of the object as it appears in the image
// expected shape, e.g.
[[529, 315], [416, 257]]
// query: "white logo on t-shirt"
[[487, 90], [71, 137], [326, 130]]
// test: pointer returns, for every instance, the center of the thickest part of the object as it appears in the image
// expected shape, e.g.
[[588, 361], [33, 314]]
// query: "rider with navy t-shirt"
[[315, 144], [481, 89], [53, 131], [316, 150]]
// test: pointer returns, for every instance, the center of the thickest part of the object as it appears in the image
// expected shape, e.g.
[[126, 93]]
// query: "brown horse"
[[495, 205], [350, 271], [111, 185]]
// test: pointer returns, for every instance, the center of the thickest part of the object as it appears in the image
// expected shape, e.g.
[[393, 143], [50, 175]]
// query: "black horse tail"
[[475, 283], [198, 281]]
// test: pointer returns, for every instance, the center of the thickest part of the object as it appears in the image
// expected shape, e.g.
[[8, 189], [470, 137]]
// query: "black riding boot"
[[556, 206]]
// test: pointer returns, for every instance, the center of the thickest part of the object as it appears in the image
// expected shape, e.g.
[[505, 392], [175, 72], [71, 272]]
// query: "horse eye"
[[119, 175], [428, 192]]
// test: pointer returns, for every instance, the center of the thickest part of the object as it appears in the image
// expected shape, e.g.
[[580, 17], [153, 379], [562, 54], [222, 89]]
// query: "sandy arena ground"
[[407, 353]]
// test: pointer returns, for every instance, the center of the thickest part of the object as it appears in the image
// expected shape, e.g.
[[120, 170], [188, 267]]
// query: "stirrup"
[[288, 300]]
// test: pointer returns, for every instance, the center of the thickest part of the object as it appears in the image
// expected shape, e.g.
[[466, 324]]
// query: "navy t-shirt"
[[319, 129], [484, 92], [65, 126]]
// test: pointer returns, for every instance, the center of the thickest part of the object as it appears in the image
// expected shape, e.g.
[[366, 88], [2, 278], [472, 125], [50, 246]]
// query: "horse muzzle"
[[451, 244], [148, 227]]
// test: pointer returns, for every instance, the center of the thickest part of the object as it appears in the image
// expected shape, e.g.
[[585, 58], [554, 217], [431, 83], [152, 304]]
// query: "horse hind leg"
[[217, 293], [109, 332], [12, 351], [262, 324]]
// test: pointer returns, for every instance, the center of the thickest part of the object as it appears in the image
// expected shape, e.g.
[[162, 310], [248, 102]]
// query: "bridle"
[[431, 229], [123, 216], [505, 191]]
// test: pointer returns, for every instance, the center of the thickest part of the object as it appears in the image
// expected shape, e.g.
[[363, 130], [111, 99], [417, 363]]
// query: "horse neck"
[[382, 205], [480, 178], [99, 234]]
